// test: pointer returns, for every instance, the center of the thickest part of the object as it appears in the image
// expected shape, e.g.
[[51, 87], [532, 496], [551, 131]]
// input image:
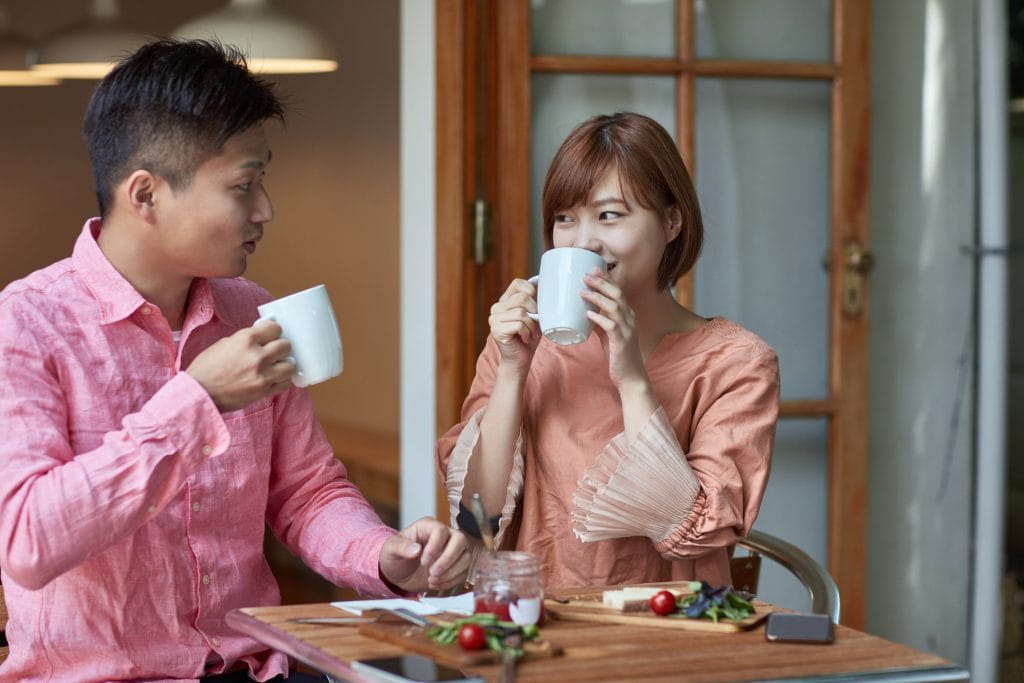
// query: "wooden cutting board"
[[414, 638], [589, 607]]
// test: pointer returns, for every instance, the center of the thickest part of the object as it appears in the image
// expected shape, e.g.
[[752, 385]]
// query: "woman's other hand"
[[614, 317], [516, 333]]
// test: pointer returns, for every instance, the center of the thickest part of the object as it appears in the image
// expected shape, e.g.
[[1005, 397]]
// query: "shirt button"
[[206, 579], [215, 640], [195, 507], [152, 509], [207, 449], [146, 310]]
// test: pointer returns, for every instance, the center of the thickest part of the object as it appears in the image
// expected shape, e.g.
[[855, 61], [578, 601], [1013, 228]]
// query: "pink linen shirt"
[[132, 512]]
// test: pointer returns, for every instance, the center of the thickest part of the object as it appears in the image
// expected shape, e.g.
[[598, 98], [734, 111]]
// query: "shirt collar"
[[117, 298]]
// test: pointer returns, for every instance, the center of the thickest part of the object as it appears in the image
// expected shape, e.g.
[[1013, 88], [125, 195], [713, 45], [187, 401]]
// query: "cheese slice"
[[631, 599]]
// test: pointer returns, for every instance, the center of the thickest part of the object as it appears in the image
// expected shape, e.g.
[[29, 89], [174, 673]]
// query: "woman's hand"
[[516, 333], [616, 320]]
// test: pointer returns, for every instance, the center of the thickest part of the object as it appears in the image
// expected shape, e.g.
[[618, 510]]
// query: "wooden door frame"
[[849, 73]]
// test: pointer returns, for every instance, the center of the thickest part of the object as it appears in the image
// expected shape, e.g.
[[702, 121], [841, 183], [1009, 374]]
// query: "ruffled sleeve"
[[457, 446], [458, 464], [645, 488]]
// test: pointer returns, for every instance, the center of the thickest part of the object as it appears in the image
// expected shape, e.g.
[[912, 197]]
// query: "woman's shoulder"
[[720, 338]]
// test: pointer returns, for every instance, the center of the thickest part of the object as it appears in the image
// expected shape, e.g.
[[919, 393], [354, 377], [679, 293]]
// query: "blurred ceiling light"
[[89, 49], [273, 42], [14, 52]]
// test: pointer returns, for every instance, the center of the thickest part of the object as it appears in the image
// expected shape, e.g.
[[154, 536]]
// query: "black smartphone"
[[799, 628], [410, 669]]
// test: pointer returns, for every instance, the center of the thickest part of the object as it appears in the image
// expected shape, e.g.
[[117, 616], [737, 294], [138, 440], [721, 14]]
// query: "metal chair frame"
[[820, 586]]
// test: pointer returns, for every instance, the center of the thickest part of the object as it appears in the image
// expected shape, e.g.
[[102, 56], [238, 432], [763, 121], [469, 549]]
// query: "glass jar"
[[508, 584]]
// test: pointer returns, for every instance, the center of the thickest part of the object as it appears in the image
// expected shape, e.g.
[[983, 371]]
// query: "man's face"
[[210, 227]]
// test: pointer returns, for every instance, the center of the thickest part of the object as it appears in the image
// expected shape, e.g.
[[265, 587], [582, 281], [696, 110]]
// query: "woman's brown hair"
[[650, 169]]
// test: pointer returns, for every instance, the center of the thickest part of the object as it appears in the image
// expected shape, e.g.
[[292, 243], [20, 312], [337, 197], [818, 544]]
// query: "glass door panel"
[[763, 180], [621, 28], [795, 505], [560, 101], [796, 30]]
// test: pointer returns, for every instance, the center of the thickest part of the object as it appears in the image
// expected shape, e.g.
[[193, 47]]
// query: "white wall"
[[922, 213]]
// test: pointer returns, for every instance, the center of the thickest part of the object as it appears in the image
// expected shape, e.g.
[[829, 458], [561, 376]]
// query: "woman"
[[641, 454]]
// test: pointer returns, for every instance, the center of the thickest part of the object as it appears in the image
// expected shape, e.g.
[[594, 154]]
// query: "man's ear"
[[140, 192], [673, 223]]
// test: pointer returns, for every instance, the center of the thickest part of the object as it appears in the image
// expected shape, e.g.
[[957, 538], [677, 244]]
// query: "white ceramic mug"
[[561, 310], [307, 322]]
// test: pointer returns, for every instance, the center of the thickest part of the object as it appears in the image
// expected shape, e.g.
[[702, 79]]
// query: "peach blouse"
[[668, 506]]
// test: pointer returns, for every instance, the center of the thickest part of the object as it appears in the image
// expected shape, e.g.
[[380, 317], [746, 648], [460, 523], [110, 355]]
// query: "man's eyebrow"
[[258, 163]]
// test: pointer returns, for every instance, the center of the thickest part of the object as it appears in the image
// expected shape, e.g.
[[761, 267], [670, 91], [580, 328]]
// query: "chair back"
[[820, 586], [3, 625]]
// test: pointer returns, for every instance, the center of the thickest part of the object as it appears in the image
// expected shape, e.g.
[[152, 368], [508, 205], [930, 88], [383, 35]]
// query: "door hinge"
[[481, 231]]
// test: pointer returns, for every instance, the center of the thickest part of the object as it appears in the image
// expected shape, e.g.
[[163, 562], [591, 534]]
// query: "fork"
[[509, 656]]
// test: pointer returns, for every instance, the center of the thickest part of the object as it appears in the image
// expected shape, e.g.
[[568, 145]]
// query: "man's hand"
[[245, 367], [426, 555]]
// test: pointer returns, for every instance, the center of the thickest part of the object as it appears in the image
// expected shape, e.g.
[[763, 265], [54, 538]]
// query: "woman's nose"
[[589, 243]]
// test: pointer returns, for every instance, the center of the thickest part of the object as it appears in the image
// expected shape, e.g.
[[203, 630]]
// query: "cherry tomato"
[[472, 636], [663, 602]]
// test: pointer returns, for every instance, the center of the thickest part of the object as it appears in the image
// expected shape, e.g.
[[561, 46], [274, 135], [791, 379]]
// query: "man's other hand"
[[426, 555]]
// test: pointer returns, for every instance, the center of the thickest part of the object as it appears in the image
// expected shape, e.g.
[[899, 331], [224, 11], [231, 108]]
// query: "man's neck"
[[123, 243]]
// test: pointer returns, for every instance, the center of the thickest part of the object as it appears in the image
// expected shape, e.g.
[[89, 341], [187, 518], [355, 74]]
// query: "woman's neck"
[[660, 314]]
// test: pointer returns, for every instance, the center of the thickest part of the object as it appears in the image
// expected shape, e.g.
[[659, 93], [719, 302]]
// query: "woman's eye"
[[562, 219], [609, 215]]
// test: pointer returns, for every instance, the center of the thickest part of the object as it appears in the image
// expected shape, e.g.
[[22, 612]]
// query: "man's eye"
[[245, 187]]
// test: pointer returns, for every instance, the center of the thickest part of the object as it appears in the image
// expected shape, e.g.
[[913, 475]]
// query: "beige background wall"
[[333, 181]]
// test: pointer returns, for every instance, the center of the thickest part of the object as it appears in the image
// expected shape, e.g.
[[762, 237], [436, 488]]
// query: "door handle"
[[857, 263]]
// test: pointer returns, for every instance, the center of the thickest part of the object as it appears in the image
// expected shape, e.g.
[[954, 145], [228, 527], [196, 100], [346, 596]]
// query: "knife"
[[336, 621]]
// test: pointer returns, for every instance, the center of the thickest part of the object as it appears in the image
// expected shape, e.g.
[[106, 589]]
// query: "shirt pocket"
[[252, 446]]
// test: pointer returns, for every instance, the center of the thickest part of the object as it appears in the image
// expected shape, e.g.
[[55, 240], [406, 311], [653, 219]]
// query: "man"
[[150, 430]]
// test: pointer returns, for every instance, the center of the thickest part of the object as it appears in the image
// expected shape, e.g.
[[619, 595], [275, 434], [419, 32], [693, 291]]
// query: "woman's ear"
[[673, 223]]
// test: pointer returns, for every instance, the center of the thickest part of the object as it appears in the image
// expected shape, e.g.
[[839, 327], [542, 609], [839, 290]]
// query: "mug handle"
[[533, 281]]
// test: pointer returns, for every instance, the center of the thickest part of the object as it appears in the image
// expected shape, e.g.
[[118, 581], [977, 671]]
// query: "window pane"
[[798, 30], [561, 101], [632, 28], [762, 168]]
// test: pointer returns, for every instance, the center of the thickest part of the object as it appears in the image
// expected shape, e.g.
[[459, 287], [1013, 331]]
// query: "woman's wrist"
[[639, 390]]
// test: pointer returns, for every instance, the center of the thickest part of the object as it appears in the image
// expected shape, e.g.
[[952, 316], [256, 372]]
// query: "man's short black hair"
[[168, 108]]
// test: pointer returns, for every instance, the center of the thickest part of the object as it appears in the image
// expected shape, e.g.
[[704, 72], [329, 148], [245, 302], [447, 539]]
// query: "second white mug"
[[307, 321], [561, 310]]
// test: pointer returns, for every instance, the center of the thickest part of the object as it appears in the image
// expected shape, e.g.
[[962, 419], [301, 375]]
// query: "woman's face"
[[630, 238]]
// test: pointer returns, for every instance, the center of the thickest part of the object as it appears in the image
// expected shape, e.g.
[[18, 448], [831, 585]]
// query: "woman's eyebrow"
[[604, 201]]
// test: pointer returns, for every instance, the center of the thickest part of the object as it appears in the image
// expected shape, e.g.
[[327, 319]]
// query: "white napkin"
[[460, 604]]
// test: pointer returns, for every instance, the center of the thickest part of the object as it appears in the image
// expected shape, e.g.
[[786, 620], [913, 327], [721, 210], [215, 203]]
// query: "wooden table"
[[614, 652]]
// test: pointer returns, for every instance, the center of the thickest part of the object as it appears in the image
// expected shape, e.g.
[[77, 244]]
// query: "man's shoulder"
[[41, 288]]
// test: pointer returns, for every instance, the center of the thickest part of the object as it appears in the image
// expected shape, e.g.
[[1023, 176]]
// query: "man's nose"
[[263, 212]]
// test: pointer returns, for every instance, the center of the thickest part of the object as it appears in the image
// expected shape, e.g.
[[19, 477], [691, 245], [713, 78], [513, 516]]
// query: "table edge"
[[283, 641]]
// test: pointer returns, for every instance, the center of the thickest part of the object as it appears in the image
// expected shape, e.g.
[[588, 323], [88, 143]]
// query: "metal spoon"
[[482, 522]]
